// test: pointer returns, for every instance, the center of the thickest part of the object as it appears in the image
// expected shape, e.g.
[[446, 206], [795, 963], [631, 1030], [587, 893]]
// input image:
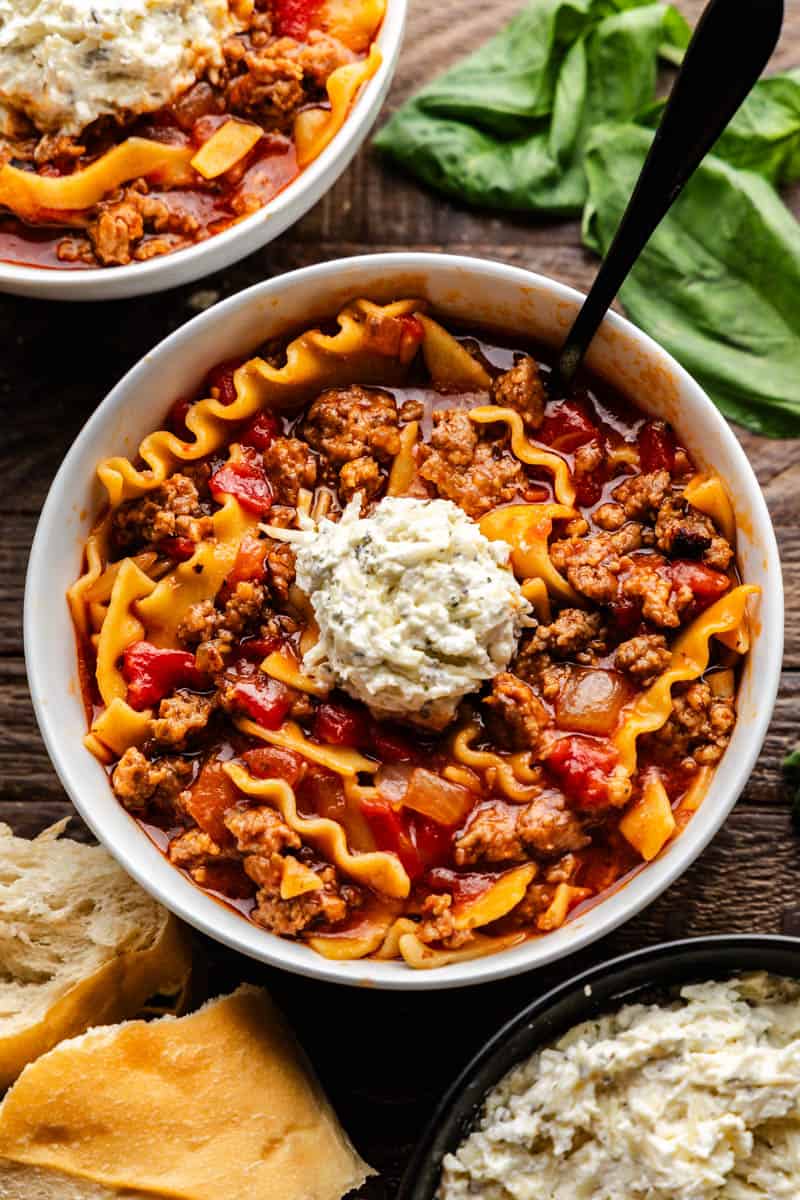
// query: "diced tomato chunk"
[[566, 426], [177, 419], [589, 488], [391, 832], [433, 841], [261, 431], [583, 768], [151, 673], [322, 792], [246, 481], [273, 762], [220, 380], [257, 649], [210, 797], [656, 447], [341, 725], [626, 616], [179, 549], [390, 745], [293, 17], [706, 584], [265, 700], [249, 561], [462, 885]]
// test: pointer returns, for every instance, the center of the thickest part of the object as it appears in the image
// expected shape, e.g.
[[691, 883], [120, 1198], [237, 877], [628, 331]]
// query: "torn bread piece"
[[217, 1105], [81, 944]]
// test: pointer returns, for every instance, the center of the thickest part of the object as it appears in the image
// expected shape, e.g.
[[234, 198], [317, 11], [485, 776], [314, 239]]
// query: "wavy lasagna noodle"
[[134, 184], [570, 768]]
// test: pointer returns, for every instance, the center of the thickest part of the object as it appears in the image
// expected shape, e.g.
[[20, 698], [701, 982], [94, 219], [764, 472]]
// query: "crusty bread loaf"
[[80, 944], [217, 1105]]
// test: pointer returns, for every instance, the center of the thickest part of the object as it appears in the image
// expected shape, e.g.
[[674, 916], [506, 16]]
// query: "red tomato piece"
[[152, 673], [210, 797], [250, 559], [273, 762], [390, 830], [179, 549], [257, 649], [433, 842], [566, 426], [177, 419], [656, 447], [220, 379], [462, 885], [706, 583], [261, 431], [246, 481], [293, 17], [389, 744], [626, 616], [583, 768], [265, 700], [322, 792], [340, 725], [589, 488]]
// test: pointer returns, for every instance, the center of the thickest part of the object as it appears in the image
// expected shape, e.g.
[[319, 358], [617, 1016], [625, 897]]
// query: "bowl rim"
[[269, 948], [288, 206], [605, 987]]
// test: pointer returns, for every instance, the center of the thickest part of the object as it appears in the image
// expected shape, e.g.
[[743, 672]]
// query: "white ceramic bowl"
[[462, 288], [241, 239]]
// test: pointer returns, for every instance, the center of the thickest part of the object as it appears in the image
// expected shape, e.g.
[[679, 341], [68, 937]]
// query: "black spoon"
[[732, 44]]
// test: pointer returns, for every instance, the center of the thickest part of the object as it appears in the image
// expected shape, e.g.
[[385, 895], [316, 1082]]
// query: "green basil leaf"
[[506, 127], [718, 282], [764, 136]]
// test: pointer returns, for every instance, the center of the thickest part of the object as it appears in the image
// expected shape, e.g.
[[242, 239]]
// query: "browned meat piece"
[[180, 717], [663, 602], [243, 609], [574, 634], [522, 389], [193, 850], [138, 782], [260, 831], [641, 495], [53, 147], [698, 729], [412, 410], [281, 569], [684, 532], [588, 458], [199, 623], [592, 564], [123, 220], [537, 899], [349, 423], [361, 475], [171, 510], [270, 78], [517, 715], [609, 516], [438, 923], [289, 465], [547, 827], [499, 832], [644, 657], [212, 656], [476, 475], [328, 905], [490, 836]]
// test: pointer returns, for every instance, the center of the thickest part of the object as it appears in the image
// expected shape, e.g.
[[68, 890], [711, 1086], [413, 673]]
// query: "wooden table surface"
[[384, 1058]]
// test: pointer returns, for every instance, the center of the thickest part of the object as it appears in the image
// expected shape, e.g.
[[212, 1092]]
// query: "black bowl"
[[646, 975]]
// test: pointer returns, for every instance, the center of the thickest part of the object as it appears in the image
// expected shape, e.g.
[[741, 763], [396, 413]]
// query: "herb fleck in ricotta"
[[696, 1101], [66, 62], [415, 607]]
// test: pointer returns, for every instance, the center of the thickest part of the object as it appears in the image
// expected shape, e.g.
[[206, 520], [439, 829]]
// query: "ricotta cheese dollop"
[[66, 62], [415, 607], [699, 1100]]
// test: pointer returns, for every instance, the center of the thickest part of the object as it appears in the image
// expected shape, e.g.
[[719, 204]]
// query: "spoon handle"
[[732, 44]]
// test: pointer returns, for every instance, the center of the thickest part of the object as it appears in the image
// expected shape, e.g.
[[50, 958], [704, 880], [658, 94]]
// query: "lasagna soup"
[[396, 654], [129, 130]]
